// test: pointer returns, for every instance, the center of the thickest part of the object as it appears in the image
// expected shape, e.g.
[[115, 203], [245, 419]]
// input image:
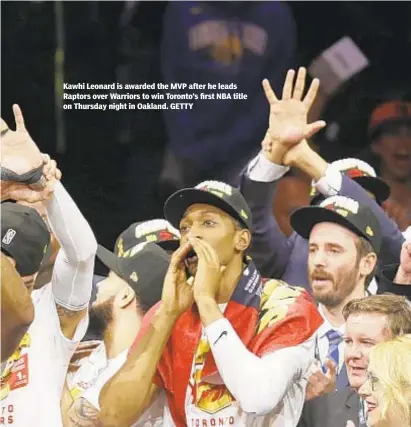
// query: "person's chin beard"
[[327, 297], [342, 287], [100, 317]]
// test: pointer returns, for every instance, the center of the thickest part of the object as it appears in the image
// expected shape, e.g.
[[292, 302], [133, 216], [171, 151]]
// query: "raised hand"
[[320, 383], [21, 159], [22, 192], [177, 296], [288, 116]]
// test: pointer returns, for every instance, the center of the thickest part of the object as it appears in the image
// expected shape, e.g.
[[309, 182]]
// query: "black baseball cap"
[[361, 172], [144, 268], [157, 231], [341, 210], [25, 237], [215, 193]]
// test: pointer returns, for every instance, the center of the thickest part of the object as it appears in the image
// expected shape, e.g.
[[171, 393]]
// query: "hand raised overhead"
[[288, 116]]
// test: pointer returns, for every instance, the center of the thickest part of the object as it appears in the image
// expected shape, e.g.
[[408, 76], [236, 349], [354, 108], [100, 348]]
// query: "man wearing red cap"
[[390, 133]]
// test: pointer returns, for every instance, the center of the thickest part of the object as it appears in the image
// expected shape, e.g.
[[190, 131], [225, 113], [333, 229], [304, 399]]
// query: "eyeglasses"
[[373, 380]]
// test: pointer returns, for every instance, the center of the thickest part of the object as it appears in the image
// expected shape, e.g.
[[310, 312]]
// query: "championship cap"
[[362, 173], [25, 237], [214, 193], [157, 231], [143, 267], [340, 210]]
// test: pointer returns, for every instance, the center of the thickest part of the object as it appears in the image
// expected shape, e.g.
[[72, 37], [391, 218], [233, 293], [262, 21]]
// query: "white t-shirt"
[[33, 381], [95, 371]]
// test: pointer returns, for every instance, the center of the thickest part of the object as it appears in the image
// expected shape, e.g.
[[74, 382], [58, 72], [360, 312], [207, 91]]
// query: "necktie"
[[334, 339]]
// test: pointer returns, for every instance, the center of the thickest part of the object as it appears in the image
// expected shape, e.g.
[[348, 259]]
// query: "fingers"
[[177, 259], [201, 251], [58, 174], [3, 126], [288, 85], [269, 93], [299, 84], [311, 94], [50, 170], [313, 128], [88, 345], [408, 248], [73, 367], [317, 377], [204, 249], [331, 369], [81, 354], [46, 158], [18, 118], [21, 192]]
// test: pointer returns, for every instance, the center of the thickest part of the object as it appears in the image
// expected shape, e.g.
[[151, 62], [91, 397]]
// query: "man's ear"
[[242, 239], [126, 297], [368, 263]]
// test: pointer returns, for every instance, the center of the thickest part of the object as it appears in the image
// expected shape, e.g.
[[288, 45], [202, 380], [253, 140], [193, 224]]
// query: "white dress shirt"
[[323, 343]]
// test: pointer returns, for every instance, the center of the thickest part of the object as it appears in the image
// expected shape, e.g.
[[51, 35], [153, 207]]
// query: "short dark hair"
[[364, 248], [390, 127], [239, 225], [142, 304]]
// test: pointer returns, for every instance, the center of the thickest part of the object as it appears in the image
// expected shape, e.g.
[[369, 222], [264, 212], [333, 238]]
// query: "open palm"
[[288, 116]]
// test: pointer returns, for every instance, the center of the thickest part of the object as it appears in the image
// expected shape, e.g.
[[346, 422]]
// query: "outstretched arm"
[[270, 248], [330, 182], [73, 269], [287, 127]]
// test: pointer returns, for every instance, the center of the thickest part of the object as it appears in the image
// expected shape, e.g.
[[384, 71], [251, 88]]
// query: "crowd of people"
[[212, 315]]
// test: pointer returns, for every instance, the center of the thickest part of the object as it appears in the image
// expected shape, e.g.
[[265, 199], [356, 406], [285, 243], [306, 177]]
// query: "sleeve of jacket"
[[302, 421], [270, 248], [387, 285], [392, 237]]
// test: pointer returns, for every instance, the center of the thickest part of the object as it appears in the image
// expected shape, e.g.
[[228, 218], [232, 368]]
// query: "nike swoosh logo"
[[221, 335]]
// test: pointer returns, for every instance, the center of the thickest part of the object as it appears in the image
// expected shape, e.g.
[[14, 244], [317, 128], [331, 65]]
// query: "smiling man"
[[369, 321], [229, 359]]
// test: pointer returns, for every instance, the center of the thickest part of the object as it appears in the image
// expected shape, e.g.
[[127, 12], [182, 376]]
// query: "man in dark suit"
[[332, 410], [369, 320]]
